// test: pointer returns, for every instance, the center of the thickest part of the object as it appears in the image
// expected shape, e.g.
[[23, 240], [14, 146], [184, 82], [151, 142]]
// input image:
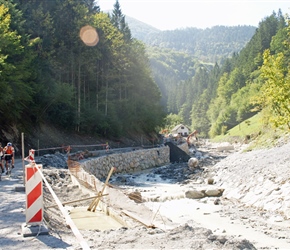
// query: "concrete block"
[[33, 230], [20, 189]]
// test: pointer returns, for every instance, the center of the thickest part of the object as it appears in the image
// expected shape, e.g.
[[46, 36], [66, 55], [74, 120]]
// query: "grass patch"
[[270, 138], [243, 131], [256, 133]]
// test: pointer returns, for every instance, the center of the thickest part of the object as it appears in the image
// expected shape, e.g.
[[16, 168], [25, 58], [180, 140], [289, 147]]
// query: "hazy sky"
[[173, 14]]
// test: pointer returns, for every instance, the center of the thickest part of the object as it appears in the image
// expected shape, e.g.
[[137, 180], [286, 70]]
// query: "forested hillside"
[[213, 79], [254, 79], [48, 74], [176, 56], [108, 87], [170, 67], [209, 45]]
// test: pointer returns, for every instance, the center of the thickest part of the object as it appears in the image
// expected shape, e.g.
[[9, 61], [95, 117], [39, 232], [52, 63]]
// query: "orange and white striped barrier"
[[34, 199], [30, 157], [33, 188], [34, 203], [34, 196]]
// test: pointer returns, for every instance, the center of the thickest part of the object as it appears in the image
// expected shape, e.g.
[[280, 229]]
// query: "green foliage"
[[209, 45], [275, 93], [256, 131], [171, 121], [47, 73], [170, 68], [15, 63], [241, 101], [60, 102], [241, 80], [211, 98], [118, 20], [200, 121], [249, 127]]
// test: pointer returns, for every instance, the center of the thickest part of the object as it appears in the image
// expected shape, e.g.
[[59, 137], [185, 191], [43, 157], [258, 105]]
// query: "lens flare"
[[89, 35]]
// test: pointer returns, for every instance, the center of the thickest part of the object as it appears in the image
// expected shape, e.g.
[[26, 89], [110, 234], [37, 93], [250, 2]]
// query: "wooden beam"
[[84, 199], [95, 202], [141, 220]]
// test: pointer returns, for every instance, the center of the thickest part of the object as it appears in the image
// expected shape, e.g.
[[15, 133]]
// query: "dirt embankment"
[[49, 139]]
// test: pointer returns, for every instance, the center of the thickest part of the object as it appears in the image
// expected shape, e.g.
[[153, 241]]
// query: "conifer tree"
[[119, 21]]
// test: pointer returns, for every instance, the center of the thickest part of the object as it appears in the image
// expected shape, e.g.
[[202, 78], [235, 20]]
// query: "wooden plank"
[[95, 202], [84, 199], [137, 218]]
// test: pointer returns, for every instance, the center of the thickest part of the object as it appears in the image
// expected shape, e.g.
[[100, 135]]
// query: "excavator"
[[189, 138]]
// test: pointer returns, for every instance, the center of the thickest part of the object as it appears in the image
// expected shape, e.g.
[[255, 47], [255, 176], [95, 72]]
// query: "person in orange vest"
[[8, 155], [1, 158]]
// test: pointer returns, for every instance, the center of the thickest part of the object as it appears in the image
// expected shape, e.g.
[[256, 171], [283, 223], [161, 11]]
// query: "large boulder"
[[136, 196], [198, 194], [194, 194], [192, 162], [214, 192]]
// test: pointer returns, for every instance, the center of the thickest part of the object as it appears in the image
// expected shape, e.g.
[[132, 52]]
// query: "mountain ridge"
[[210, 45]]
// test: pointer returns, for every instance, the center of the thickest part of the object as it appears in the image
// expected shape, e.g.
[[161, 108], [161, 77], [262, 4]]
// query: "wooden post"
[[95, 202], [23, 165]]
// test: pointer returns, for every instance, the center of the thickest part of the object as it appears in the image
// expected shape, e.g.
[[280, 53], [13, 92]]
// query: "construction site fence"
[[78, 148]]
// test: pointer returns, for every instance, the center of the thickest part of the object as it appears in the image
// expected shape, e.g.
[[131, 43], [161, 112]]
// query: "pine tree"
[[119, 21]]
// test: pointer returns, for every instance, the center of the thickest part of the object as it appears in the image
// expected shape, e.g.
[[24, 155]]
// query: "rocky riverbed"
[[251, 213]]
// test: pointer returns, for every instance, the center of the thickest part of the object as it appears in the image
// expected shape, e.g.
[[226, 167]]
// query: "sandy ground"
[[182, 223]]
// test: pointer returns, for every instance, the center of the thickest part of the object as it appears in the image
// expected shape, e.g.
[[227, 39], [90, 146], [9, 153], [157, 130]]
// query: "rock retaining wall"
[[128, 162]]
